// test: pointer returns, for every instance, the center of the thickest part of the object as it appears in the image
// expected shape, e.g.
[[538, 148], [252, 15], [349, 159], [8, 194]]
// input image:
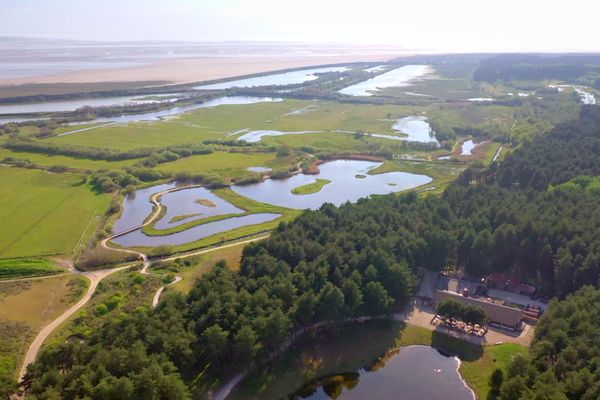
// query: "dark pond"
[[411, 373]]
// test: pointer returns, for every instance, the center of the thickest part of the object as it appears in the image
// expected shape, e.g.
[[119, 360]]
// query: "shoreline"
[[203, 69]]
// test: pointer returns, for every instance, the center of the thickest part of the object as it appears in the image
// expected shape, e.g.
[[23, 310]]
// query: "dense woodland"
[[564, 360], [363, 259], [579, 69]]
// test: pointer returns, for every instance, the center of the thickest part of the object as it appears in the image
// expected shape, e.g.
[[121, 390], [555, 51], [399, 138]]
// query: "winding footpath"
[[96, 276]]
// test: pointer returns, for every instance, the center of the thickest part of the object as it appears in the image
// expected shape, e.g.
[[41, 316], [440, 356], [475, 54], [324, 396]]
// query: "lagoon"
[[344, 186]]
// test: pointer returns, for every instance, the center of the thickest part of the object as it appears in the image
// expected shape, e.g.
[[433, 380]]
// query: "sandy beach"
[[197, 69]]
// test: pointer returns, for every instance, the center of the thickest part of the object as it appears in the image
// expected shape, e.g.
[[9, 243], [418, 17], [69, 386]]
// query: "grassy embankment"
[[335, 353], [45, 213], [25, 308], [26, 267], [311, 188]]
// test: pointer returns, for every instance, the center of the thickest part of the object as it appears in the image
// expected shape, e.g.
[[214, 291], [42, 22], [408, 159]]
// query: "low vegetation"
[[311, 188], [25, 308]]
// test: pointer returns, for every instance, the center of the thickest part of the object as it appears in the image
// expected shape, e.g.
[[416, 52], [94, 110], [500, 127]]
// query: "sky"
[[439, 25]]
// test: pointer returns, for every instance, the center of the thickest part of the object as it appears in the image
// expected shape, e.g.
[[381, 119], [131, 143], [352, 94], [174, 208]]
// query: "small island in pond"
[[311, 188]]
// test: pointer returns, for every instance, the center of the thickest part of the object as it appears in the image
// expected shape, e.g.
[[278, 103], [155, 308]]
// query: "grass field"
[[192, 127], [45, 213], [228, 165], [22, 267], [311, 188], [337, 352], [27, 306], [221, 122]]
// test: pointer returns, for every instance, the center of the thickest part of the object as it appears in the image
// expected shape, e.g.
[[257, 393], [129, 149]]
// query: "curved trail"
[[160, 290], [96, 276]]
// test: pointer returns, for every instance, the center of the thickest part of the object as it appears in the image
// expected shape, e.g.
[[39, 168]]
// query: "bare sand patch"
[[198, 69]]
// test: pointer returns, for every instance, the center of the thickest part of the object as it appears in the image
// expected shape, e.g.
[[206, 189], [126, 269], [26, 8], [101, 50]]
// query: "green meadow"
[[228, 165], [45, 213]]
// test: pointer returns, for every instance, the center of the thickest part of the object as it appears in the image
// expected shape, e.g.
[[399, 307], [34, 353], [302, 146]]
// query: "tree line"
[[358, 259]]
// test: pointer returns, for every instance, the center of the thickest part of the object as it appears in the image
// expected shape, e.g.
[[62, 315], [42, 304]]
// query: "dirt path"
[[156, 297], [96, 276]]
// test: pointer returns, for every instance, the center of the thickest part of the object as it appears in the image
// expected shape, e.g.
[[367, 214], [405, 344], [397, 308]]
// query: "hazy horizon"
[[430, 25]]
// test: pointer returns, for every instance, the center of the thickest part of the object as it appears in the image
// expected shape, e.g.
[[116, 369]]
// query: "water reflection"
[[411, 373], [395, 78], [345, 185]]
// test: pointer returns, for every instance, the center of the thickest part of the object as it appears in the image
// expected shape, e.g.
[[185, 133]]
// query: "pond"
[[411, 373], [345, 185], [467, 148], [395, 78], [137, 207], [183, 206], [279, 79], [138, 238], [188, 205], [416, 128]]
